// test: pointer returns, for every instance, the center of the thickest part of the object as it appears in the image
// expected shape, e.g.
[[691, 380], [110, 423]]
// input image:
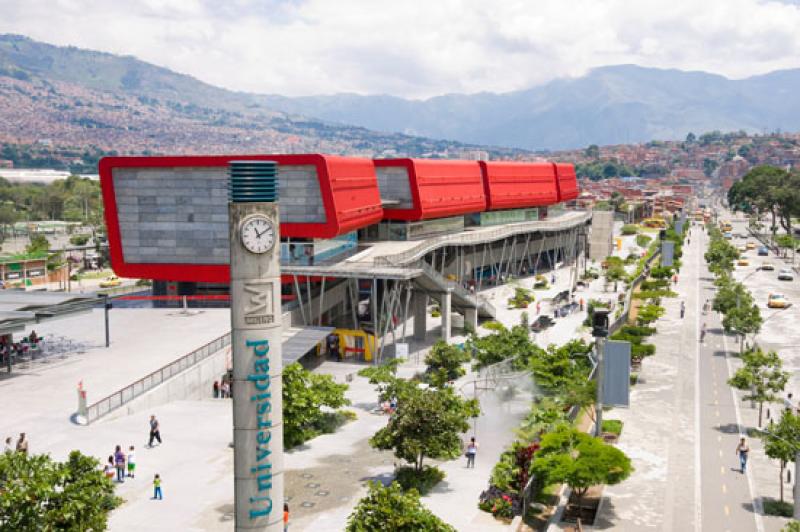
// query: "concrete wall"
[[194, 383], [601, 238]]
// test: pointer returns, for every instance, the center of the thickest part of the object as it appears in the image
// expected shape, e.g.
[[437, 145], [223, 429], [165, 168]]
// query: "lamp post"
[[256, 344], [600, 332]]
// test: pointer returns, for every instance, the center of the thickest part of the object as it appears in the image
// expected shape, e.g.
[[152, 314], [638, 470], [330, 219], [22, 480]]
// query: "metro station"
[[366, 245]]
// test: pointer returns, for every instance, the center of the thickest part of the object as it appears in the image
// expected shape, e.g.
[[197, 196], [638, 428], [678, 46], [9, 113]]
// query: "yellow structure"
[[352, 342]]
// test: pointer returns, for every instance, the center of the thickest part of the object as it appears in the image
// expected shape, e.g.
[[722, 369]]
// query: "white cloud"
[[417, 48]]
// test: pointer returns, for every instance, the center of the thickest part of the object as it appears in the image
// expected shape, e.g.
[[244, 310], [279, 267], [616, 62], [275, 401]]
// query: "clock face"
[[258, 234]]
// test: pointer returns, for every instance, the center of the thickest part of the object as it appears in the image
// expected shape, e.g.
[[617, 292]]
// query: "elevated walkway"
[[405, 260]]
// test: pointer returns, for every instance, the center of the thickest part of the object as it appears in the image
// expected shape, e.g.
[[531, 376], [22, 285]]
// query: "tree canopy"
[[761, 378], [781, 441], [391, 508], [304, 395], [39, 493], [768, 189], [427, 423]]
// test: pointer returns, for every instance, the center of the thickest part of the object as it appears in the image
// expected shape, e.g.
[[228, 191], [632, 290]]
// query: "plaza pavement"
[[324, 478]]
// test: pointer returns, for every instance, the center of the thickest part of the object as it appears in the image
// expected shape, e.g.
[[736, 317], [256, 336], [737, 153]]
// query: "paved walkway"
[[683, 426]]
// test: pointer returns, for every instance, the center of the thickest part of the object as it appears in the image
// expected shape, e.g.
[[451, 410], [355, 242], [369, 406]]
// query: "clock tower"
[[256, 340]]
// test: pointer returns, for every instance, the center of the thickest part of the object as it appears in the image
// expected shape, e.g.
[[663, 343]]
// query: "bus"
[[657, 223]]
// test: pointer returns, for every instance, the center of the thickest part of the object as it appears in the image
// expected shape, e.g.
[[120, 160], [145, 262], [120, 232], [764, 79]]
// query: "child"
[[109, 468], [285, 517], [131, 462], [157, 487]]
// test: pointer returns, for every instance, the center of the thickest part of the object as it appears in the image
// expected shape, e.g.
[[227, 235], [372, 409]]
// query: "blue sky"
[[417, 48]]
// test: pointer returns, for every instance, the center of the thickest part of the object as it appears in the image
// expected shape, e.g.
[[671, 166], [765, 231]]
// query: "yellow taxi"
[[751, 245], [110, 282], [743, 262], [777, 301]]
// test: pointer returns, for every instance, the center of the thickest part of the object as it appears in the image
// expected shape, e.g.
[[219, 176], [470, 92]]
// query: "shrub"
[[636, 330], [422, 481], [78, 240], [613, 426], [499, 504], [630, 229], [655, 285], [642, 240], [522, 298], [391, 508], [654, 294], [779, 508]]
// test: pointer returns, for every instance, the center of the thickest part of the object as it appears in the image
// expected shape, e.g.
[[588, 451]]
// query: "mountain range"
[[51, 95], [609, 105], [153, 108]]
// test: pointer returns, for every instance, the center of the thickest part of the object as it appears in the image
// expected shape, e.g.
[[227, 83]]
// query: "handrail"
[[466, 238], [130, 392], [454, 286]]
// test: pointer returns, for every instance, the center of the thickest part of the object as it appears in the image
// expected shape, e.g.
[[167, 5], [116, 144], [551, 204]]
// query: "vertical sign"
[[257, 365], [616, 373], [667, 252]]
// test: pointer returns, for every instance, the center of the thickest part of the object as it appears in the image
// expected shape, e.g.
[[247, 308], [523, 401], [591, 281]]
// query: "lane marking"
[[724, 488], [722, 470], [727, 510], [698, 512], [720, 452], [750, 483], [717, 413]]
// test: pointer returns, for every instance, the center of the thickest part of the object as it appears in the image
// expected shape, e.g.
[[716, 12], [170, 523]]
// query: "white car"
[[786, 274]]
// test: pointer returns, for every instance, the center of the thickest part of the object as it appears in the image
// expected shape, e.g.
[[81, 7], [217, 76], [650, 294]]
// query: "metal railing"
[[127, 394], [455, 287], [571, 219]]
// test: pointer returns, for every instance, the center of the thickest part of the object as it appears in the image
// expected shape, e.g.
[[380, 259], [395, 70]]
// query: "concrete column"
[[447, 319], [419, 306], [471, 318]]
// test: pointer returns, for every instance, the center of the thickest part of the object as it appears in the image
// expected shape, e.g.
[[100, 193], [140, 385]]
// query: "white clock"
[[257, 233]]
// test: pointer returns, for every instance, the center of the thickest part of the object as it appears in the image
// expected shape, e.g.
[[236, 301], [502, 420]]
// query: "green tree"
[[743, 320], [720, 256], [427, 423], [781, 441], [690, 138], [580, 461], [304, 395], [448, 358], [761, 378], [390, 508], [648, 314], [593, 151], [37, 243], [38, 493], [642, 240], [791, 526], [614, 274]]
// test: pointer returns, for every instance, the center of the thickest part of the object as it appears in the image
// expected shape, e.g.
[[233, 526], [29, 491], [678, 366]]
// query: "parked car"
[[777, 301], [110, 282], [763, 251], [541, 323], [786, 274], [767, 266]]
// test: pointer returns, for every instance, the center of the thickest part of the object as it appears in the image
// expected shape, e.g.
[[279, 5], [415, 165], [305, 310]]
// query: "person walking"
[[157, 487], [226, 389], [22, 444], [131, 462], [742, 450], [472, 450], [155, 431], [119, 463], [706, 307], [683, 309], [286, 517], [9, 446], [216, 389], [787, 403], [538, 307], [703, 333]]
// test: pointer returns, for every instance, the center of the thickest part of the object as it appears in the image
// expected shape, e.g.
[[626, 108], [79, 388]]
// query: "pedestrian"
[[155, 431], [787, 403], [9, 447], [706, 307], [108, 469], [538, 308], [581, 304], [683, 309], [131, 462], [472, 450], [553, 278], [675, 279], [555, 312], [742, 451], [286, 517], [226, 389], [22, 444], [702, 333], [119, 463], [216, 389], [157, 487]]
